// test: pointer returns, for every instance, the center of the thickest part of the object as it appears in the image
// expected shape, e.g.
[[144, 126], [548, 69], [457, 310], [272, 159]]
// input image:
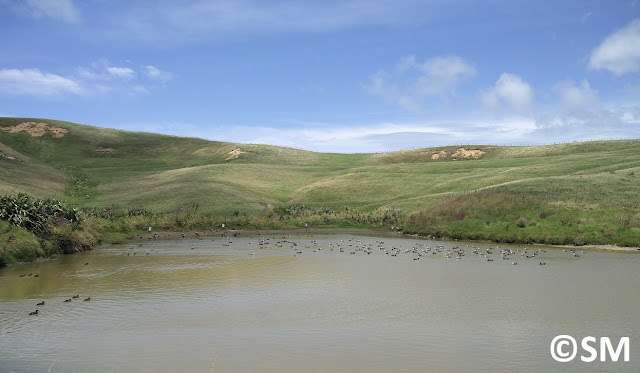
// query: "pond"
[[327, 302]]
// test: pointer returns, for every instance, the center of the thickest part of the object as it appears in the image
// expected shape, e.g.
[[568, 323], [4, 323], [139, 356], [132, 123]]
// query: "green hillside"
[[584, 191]]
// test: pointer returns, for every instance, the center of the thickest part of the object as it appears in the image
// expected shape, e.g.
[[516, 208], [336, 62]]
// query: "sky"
[[350, 76]]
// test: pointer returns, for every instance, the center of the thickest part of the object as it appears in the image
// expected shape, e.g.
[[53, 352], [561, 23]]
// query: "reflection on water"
[[257, 304]]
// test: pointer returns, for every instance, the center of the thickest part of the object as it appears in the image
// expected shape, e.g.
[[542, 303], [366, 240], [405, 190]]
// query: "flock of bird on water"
[[41, 303], [353, 246], [418, 249]]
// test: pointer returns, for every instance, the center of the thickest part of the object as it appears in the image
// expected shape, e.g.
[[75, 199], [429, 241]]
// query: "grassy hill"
[[568, 193]]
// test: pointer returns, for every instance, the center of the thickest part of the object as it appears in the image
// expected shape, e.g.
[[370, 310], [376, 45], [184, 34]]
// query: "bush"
[[34, 214], [522, 222], [18, 245]]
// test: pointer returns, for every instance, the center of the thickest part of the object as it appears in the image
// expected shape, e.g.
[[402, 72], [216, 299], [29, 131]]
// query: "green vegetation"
[[32, 228], [576, 193]]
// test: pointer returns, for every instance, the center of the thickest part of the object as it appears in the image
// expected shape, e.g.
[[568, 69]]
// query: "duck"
[[76, 296], [40, 304], [67, 300], [34, 312], [88, 299]]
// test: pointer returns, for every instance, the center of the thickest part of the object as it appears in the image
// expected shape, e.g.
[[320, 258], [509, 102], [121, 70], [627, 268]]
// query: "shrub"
[[522, 222]]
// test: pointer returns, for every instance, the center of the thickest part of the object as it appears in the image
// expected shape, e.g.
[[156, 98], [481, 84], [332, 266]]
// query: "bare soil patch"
[[235, 154], [459, 153], [468, 153], [36, 129], [101, 149], [439, 154]]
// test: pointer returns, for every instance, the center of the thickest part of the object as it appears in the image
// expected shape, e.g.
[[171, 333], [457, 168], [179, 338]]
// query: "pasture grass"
[[585, 189]]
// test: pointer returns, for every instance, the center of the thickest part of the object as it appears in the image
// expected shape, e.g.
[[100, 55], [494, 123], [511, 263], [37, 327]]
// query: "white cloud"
[[378, 137], [104, 70], [100, 78], [156, 74], [121, 72], [619, 52], [36, 83], [412, 81], [343, 139], [390, 136], [576, 97], [591, 123], [109, 78], [553, 127], [511, 90]]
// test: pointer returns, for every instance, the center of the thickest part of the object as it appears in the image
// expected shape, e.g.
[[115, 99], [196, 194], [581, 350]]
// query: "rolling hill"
[[97, 167]]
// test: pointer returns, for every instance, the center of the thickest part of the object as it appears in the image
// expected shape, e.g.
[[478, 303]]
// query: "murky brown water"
[[185, 305]]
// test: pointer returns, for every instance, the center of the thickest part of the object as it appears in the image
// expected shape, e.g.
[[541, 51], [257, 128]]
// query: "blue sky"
[[340, 76]]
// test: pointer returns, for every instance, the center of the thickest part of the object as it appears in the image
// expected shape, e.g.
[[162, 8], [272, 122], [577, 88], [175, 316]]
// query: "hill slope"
[[100, 167]]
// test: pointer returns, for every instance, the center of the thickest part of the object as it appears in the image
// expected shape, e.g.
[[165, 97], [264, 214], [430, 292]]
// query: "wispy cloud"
[[574, 96], [105, 71], [377, 137], [121, 72], [197, 19], [543, 128], [37, 83], [411, 81], [618, 52], [510, 90], [59, 10], [156, 74], [590, 123], [99, 78]]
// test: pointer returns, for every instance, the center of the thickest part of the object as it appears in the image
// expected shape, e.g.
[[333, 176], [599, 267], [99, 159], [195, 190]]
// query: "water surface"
[[255, 304]]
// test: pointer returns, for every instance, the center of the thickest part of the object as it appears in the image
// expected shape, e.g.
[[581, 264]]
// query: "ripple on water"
[[178, 308]]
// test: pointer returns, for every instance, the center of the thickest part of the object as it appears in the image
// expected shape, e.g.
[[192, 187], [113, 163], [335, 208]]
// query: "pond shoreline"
[[160, 235], [147, 236]]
